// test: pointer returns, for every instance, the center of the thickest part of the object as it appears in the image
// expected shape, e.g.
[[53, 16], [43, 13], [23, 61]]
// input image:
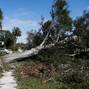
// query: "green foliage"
[[74, 80], [16, 31], [1, 15], [82, 29], [36, 84], [1, 18], [38, 38], [46, 27], [7, 38], [34, 39], [21, 45], [54, 55], [60, 15]]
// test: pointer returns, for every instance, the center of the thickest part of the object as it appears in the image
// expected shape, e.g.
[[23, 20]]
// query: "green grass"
[[36, 84]]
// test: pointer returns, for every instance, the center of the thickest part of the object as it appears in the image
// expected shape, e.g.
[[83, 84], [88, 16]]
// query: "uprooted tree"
[[53, 32]]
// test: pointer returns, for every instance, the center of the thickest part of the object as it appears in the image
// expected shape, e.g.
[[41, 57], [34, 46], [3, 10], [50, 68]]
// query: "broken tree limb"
[[45, 39], [28, 53]]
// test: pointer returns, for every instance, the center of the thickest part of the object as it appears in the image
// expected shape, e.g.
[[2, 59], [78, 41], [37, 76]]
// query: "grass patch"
[[36, 84]]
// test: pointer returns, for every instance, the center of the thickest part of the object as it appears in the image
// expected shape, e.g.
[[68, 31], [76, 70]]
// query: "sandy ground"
[[8, 81]]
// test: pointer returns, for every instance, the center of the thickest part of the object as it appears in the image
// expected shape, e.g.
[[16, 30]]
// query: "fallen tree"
[[54, 29], [28, 53], [34, 51]]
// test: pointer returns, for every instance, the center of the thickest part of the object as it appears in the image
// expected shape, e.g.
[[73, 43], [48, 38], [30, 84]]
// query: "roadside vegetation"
[[67, 74], [1, 69]]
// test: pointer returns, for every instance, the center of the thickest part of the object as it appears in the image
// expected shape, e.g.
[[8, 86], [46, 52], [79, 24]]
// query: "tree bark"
[[28, 53], [45, 39]]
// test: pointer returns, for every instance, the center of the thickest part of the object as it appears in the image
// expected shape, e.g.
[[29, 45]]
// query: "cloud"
[[88, 8], [21, 12], [21, 23], [24, 25], [22, 18]]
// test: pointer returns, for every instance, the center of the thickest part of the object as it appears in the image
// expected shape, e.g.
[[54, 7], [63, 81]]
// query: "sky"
[[26, 14]]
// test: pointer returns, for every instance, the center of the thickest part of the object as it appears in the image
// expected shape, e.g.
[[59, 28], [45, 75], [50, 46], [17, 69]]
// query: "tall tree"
[[60, 16], [47, 31], [82, 29], [34, 39], [16, 32], [1, 18], [7, 38]]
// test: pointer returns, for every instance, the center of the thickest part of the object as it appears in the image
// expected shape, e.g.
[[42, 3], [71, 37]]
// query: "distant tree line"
[[9, 38]]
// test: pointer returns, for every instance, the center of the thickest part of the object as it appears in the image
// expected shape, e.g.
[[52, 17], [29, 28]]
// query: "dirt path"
[[8, 81]]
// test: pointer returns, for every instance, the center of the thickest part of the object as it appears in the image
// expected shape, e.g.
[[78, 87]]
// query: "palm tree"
[[1, 18], [16, 32]]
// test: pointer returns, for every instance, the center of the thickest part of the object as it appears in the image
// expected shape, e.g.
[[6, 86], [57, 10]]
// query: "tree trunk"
[[45, 39], [28, 53]]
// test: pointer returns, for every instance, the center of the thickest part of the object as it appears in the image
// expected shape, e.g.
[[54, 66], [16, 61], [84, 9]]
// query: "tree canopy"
[[1, 18]]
